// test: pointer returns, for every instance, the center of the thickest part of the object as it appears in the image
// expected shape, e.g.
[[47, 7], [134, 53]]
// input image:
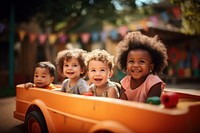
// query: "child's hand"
[[28, 85]]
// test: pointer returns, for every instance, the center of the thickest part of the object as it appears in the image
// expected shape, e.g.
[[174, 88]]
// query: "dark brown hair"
[[48, 65], [136, 40]]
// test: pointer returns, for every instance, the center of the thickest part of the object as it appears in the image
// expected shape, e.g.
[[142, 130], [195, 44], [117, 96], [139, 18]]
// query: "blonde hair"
[[101, 55]]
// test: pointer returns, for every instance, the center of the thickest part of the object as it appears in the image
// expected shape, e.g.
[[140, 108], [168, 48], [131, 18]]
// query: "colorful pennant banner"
[[151, 21]]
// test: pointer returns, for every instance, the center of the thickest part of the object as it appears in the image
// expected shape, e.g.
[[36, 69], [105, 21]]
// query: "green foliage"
[[75, 15], [70, 14], [190, 15]]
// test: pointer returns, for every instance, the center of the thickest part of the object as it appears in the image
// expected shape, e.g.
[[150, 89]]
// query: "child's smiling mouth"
[[70, 72], [135, 70], [97, 79], [39, 84]]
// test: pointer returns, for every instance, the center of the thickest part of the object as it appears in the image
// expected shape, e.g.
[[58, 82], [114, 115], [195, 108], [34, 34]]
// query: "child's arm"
[[122, 94], [155, 90], [82, 87], [28, 85], [112, 92]]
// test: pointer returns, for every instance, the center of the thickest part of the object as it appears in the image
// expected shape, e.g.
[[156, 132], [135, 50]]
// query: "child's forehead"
[[42, 70], [141, 51], [98, 63], [98, 60], [72, 59]]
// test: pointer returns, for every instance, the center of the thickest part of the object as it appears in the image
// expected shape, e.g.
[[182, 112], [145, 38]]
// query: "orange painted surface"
[[65, 112]]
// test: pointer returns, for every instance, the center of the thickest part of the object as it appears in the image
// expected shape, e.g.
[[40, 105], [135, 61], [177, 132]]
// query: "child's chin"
[[136, 77], [99, 84], [40, 86]]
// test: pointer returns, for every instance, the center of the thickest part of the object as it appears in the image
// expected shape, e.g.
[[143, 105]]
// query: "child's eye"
[[43, 76], [66, 65], [92, 70], [75, 65], [142, 61], [103, 70], [131, 61]]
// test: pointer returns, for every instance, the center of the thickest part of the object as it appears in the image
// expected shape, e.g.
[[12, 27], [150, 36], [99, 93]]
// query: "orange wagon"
[[57, 112]]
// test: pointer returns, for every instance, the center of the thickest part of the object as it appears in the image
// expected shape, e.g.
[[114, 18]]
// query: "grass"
[[7, 92]]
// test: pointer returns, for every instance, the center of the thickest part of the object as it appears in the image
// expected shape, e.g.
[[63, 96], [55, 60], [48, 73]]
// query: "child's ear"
[[82, 70], [52, 79], [111, 73], [152, 67]]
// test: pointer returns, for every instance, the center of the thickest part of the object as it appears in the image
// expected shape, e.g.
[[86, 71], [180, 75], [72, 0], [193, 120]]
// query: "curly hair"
[[79, 54], [136, 40], [100, 55]]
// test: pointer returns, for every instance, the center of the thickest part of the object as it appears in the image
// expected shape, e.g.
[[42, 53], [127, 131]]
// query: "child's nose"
[[97, 73], [69, 67], [39, 78], [135, 64]]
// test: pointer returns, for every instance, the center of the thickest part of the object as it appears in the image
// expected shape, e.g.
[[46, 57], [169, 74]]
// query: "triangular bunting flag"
[[123, 30], [95, 36], [154, 20], [52, 39], [114, 34], [85, 37], [144, 24], [132, 26], [177, 12], [73, 38], [42, 38], [63, 38], [165, 16], [32, 37], [21, 35], [104, 35]]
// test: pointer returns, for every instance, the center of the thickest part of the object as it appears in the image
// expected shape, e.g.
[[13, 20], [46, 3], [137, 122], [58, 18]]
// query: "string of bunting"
[[96, 35]]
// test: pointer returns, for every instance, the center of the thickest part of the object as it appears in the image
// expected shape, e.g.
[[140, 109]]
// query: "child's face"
[[72, 69], [139, 63], [42, 77], [98, 73]]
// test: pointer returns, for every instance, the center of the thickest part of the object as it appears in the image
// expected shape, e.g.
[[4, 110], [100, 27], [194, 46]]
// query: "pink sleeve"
[[154, 79], [125, 82]]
